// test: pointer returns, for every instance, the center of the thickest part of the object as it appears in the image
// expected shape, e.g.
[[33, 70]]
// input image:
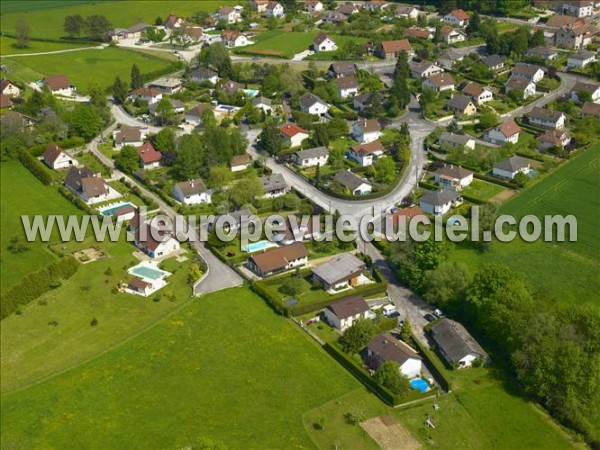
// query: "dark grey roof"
[[388, 348], [203, 73], [542, 51], [343, 68], [261, 100], [349, 179], [454, 341], [545, 114], [459, 139], [138, 27], [273, 182], [518, 83], [441, 197], [512, 164], [492, 60], [312, 153], [75, 175], [309, 99], [459, 102], [365, 98], [341, 268], [348, 307], [525, 70], [582, 55]]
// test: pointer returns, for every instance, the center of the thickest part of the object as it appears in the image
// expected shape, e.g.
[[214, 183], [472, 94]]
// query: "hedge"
[[35, 166], [434, 366], [77, 201], [72, 142], [495, 180], [35, 284]]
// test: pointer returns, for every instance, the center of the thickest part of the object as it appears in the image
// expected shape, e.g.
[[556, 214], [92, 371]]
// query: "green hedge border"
[[434, 366]]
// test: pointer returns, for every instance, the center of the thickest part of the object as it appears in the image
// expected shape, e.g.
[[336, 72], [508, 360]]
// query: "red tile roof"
[[396, 46], [56, 82], [291, 130], [148, 154], [460, 14]]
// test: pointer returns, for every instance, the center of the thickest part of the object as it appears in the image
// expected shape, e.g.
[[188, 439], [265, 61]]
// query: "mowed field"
[[86, 67], [7, 46], [23, 194], [225, 368], [46, 18], [567, 272]]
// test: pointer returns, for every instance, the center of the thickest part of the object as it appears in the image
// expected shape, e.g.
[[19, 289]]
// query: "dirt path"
[[68, 50]]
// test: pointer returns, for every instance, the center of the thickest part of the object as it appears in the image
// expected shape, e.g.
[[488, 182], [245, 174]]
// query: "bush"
[[294, 286], [94, 322], [35, 166]]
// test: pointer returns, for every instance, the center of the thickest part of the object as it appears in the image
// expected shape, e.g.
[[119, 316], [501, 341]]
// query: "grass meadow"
[[567, 272], [225, 368], [86, 67], [7, 46]]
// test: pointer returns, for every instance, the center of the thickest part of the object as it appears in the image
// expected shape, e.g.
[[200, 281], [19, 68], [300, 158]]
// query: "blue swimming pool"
[[251, 92], [257, 246], [112, 211], [419, 384], [147, 272]]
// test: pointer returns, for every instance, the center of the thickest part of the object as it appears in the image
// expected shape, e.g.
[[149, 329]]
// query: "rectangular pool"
[[113, 210], [147, 272], [257, 246]]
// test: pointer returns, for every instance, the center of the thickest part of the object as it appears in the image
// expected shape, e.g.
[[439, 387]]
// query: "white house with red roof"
[[55, 158], [457, 17], [507, 131], [323, 43], [313, 6], [366, 130], [150, 158], [192, 192], [274, 9], [366, 154], [150, 95], [9, 89], [293, 135], [59, 85], [155, 241]]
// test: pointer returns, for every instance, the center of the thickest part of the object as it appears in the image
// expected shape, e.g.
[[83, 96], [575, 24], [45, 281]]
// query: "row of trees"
[[95, 27]]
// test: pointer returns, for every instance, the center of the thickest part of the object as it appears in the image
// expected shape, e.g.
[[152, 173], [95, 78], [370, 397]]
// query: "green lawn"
[[279, 43], [568, 271], [86, 67], [225, 368], [483, 190], [7, 46], [46, 18], [23, 194]]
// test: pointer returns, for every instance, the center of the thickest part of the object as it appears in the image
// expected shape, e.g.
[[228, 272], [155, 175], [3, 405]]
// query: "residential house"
[[452, 35], [194, 115], [353, 183], [228, 15], [178, 107], [240, 162], [391, 49], [311, 104], [234, 38], [554, 138], [260, 6], [384, 347], [294, 231], [5, 102], [313, 6], [149, 95], [338, 70], [334, 17], [424, 69], [278, 260], [363, 101], [507, 131], [323, 43], [8, 88], [493, 62], [457, 17], [461, 106], [211, 22], [366, 130], [543, 52], [520, 84], [375, 5], [129, 136], [192, 192], [193, 35], [453, 177], [548, 118], [135, 31], [439, 82], [293, 135], [168, 85], [448, 58], [156, 241], [528, 72], [341, 314], [340, 272], [590, 109], [407, 12], [173, 21], [510, 167], [581, 59], [578, 8], [234, 220], [439, 202], [559, 20], [55, 158], [203, 75], [406, 215], [478, 93], [347, 86], [591, 88], [88, 186], [274, 185], [150, 158], [348, 9], [418, 33], [455, 344], [231, 87], [311, 157], [141, 287], [366, 154], [59, 85], [262, 103], [456, 140], [574, 37], [274, 9]]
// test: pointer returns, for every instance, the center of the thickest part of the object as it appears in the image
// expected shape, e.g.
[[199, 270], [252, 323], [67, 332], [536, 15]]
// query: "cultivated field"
[[86, 67], [224, 368], [46, 18]]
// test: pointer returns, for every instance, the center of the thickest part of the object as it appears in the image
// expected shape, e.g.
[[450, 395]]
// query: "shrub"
[[94, 322], [34, 166], [294, 286]]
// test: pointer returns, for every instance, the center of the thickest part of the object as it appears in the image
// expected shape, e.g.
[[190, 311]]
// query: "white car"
[[438, 313], [388, 310]]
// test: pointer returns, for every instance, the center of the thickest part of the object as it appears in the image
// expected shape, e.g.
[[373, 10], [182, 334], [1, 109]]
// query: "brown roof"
[[198, 110], [453, 171], [460, 14], [518, 83], [441, 79], [278, 258], [146, 92], [52, 152], [417, 32], [396, 46], [195, 32], [230, 35], [559, 20], [581, 86], [367, 149], [348, 307], [409, 213], [591, 109], [231, 86], [128, 134], [509, 128], [388, 348], [320, 39], [56, 82], [473, 89], [148, 154], [291, 130], [554, 137], [545, 114], [460, 102], [192, 187], [138, 283], [529, 70], [153, 236], [369, 125], [93, 186], [240, 160], [5, 101], [347, 82], [4, 83]]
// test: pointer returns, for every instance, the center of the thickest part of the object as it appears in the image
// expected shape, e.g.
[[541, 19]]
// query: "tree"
[[337, 127], [85, 121], [437, 37], [128, 159], [537, 38], [97, 26], [119, 91], [385, 169], [447, 283], [375, 108], [22, 33], [488, 119], [388, 375], [220, 176], [516, 95], [73, 25], [294, 286], [245, 191], [165, 111], [270, 139], [474, 24], [217, 56], [189, 157], [406, 331], [318, 175], [164, 140], [97, 96], [321, 136], [136, 77], [357, 336]]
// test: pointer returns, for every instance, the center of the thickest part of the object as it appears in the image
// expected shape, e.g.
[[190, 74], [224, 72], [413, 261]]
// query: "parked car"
[[430, 317], [438, 313], [388, 310]]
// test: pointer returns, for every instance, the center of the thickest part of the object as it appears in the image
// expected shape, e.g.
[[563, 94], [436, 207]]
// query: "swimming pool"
[[112, 210], [147, 271], [251, 92], [419, 384], [257, 246]]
